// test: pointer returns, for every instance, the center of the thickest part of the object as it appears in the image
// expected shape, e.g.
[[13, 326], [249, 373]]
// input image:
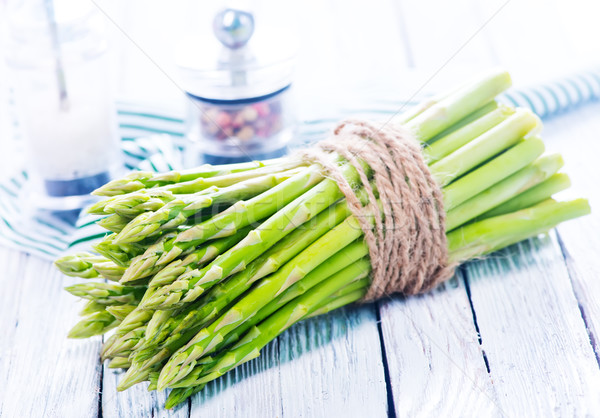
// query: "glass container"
[[58, 62], [240, 93]]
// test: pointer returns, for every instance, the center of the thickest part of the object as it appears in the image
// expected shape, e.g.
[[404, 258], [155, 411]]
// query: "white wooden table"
[[514, 334]]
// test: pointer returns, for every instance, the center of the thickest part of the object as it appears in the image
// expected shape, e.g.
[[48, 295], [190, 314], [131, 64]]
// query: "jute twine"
[[406, 233]]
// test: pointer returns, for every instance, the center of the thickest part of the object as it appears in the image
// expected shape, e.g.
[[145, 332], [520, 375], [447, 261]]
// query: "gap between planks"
[[539, 353]]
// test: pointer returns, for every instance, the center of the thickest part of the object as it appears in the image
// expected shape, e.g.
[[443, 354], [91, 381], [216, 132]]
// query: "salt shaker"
[[57, 58], [240, 104]]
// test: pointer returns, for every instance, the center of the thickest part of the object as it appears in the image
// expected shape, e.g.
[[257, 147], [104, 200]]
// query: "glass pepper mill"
[[240, 106]]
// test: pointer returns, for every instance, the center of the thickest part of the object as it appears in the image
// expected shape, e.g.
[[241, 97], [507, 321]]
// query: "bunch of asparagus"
[[205, 267]]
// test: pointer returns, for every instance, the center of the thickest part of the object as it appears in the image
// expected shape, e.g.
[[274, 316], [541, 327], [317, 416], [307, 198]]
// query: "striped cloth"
[[559, 96], [152, 140]]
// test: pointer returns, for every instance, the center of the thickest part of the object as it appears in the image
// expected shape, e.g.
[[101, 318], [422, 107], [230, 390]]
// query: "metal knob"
[[233, 27]]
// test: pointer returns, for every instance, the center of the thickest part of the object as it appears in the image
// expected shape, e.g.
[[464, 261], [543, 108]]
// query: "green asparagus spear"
[[120, 311], [132, 204], [532, 196], [208, 170], [139, 180], [114, 223], [260, 335], [179, 210], [144, 363], [228, 222], [220, 296], [107, 293], [491, 234], [502, 136], [79, 264], [200, 184], [122, 345], [91, 307], [196, 260], [458, 105], [121, 254], [132, 182], [193, 259], [345, 296], [189, 287], [349, 260], [119, 363], [499, 193], [89, 266], [507, 163], [125, 340], [176, 396], [269, 288], [449, 143], [109, 270], [96, 323]]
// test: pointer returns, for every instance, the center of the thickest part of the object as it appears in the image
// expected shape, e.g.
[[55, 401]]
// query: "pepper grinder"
[[239, 94]]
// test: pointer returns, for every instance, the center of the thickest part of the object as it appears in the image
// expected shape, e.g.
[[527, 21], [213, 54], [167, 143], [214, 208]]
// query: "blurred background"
[[353, 48], [348, 56], [360, 47]]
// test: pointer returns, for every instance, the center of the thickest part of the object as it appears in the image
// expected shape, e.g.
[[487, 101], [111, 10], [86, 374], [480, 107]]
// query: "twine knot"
[[405, 231]]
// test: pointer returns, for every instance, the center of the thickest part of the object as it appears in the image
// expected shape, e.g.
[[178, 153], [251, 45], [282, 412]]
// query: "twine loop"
[[405, 232]]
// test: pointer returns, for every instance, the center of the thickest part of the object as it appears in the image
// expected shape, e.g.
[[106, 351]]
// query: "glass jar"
[[252, 128], [58, 62], [239, 89]]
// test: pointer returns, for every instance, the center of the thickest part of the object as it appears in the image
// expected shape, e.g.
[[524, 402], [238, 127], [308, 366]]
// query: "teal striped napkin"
[[152, 140], [559, 96]]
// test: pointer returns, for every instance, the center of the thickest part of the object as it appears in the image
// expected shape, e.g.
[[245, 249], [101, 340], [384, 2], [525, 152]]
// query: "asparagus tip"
[[132, 377]]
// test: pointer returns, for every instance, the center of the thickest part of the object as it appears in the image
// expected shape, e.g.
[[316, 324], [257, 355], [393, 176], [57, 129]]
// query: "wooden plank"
[[332, 366], [13, 263], [435, 362], [562, 42], [539, 354], [250, 390], [135, 401], [46, 373], [325, 366], [575, 135]]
